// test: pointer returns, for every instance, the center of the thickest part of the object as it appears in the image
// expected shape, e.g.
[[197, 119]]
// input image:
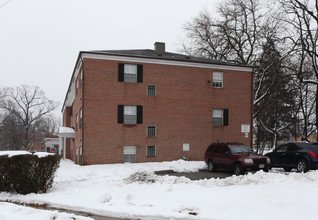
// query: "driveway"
[[200, 175]]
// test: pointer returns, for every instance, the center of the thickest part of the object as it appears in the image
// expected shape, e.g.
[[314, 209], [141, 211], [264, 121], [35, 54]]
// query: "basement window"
[[129, 154], [151, 151]]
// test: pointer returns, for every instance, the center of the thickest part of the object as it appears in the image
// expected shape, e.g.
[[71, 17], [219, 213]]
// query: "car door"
[[225, 158], [278, 157], [217, 155], [291, 154]]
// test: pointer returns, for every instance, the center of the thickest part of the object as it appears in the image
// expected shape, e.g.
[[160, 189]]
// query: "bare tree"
[[232, 37], [28, 105], [306, 117], [303, 22], [238, 34], [11, 133], [5, 3]]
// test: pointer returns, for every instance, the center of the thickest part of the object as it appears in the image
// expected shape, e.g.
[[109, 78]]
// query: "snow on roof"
[[66, 130]]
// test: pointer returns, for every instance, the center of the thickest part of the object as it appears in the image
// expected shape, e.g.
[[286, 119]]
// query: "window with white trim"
[[218, 79], [76, 121], [130, 114], [151, 151], [151, 131], [220, 117], [81, 155], [217, 117], [151, 90], [81, 118], [129, 154], [76, 81], [81, 77], [130, 73]]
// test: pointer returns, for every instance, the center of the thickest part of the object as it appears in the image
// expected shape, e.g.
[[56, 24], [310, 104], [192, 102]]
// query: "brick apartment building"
[[152, 105]]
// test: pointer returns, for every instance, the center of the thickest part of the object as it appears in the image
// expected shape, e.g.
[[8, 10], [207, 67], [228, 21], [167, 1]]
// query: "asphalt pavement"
[[199, 175]]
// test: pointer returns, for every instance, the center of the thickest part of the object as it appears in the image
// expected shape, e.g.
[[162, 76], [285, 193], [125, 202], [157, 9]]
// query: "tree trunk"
[[275, 140], [26, 138]]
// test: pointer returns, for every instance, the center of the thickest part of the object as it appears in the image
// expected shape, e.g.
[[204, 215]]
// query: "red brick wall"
[[67, 117], [77, 105], [70, 121], [181, 111]]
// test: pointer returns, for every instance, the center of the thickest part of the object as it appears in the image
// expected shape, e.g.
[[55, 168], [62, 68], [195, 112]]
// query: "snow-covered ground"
[[134, 191], [17, 212]]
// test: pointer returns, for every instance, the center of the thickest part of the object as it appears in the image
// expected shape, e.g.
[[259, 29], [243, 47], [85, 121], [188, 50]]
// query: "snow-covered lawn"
[[134, 191]]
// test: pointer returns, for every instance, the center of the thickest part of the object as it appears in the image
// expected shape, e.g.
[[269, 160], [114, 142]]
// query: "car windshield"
[[240, 149]]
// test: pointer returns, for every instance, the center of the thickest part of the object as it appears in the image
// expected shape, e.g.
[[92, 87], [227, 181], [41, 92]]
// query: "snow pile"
[[42, 154], [134, 191], [14, 153], [21, 152]]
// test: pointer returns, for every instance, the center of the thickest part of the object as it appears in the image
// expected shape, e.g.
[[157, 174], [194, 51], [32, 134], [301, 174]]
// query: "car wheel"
[[287, 169], [238, 169], [302, 166], [211, 167]]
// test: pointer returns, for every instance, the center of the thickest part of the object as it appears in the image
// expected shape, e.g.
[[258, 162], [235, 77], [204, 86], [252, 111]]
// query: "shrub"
[[25, 174]]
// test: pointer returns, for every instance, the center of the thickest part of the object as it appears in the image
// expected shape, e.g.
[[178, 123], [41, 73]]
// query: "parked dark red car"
[[235, 156]]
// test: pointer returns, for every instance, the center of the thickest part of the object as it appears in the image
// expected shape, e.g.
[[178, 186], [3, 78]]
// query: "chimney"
[[160, 48]]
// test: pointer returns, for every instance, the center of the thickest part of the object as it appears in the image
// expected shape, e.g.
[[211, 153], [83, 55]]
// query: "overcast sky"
[[40, 39]]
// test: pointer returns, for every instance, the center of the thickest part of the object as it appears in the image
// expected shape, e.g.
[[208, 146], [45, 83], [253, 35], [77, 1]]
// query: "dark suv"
[[300, 155], [234, 156]]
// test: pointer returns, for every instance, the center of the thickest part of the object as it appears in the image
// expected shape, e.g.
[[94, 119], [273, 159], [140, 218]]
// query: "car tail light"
[[313, 154], [204, 154]]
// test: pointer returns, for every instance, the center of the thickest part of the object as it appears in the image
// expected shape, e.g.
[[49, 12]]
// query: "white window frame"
[[81, 77], [155, 131], [76, 82], [81, 118], [151, 87], [217, 79], [80, 155], [77, 122], [129, 154], [217, 114], [155, 151], [130, 114], [130, 73]]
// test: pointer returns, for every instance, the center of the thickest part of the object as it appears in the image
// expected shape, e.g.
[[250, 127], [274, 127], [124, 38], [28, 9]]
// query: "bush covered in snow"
[[27, 173]]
